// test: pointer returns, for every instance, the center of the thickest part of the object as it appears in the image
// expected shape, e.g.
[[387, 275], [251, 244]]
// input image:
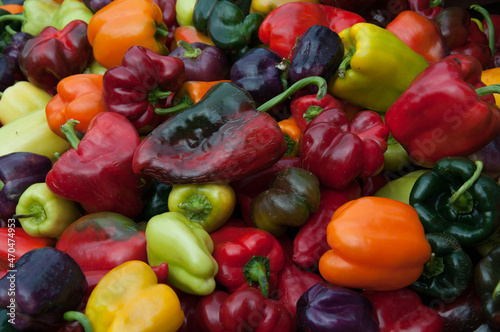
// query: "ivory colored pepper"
[[363, 235], [21, 98]]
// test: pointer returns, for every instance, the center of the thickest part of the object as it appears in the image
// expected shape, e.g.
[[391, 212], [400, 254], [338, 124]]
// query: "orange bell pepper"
[[13, 8], [376, 244], [191, 35], [292, 134], [125, 23], [492, 76], [78, 97]]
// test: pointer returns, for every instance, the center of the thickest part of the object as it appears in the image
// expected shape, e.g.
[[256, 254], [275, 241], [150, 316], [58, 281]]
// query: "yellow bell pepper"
[[129, 298], [492, 76], [184, 12], [266, 6], [20, 99]]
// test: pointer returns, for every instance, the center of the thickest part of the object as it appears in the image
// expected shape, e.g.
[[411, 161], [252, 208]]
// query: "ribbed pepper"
[[70, 10]]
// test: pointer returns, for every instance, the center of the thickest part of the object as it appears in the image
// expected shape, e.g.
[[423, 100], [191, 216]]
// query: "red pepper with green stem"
[[427, 8], [305, 107]]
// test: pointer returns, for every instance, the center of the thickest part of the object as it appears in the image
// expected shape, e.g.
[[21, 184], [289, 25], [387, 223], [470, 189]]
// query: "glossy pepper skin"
[[338, 151], [293, 195], [97, 172], [69, 11], [363, 234], [155, 200], [427, 8], [456, 121], [129, 297], [486, 280], [103, 240], [305, 107], [20, 99], [327, 307], [54, 54], [280, 29], [266, 6], [139, 84], [449, 271], [110, 39], [18, 171], [465, 203], [361, 80]]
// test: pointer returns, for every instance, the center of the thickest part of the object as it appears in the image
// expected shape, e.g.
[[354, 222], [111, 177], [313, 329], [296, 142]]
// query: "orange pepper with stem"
[[376, 244], [191, 35], [292, 134], [492, 76], [78, 97]]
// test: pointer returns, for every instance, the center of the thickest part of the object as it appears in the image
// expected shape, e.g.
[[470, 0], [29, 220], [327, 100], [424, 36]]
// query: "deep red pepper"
[[169, 18], [305, 108], [427, 8], [97, 172], [247, 256], [496, 27]]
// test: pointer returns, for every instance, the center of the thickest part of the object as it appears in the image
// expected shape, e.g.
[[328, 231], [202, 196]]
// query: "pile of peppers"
[[258, 165]]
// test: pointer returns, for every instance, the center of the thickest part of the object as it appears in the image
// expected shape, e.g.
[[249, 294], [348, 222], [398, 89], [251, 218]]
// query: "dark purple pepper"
[[13, 51], [95, 5], [18, 171], [325, 307], [47, 283], [490, 156], [257, 73], [7, 72], [202, 62]]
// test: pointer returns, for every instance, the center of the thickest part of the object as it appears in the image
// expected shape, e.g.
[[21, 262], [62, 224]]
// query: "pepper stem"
[[185, 102], [162, 30], [486, 90], [13, 17], [455, 198], [190, 51], [257, 270], [312, 112], [198, 207], [346, 62], [496, 291], [81, 318], [11, 31], [27, 215], [435, 3], [68, 129], [489, 23], [317, 80], [157, 94]]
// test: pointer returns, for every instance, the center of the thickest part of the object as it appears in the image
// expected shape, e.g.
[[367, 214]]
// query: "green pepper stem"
[[174, 109], [457, 194], [27, 215], [198, 207], [162, 31], [496, 291], [157, 94], [435, 3], [81, 318], [190, 51], [486, 90], [346, 62], [489, 22], [13, 17], [312, 112], [68, 129], [317, 80], [11, 31], [430, 265], [257, 270]]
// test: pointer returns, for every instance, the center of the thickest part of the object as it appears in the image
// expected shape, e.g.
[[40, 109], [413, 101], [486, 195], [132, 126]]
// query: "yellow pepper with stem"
[[492, 76]]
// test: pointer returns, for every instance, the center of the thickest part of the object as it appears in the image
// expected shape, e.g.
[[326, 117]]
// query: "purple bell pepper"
[[325, 307], [19, 39], [7, 72], [95, 5]]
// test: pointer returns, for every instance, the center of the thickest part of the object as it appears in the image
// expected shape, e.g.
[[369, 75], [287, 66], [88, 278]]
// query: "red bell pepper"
[[338, 151], [97, 172], [284, 24], [427, 8], [441, 114], [403, 310], [140, 84], [305, 108], [310, 242], [244, 310], [247, 256]]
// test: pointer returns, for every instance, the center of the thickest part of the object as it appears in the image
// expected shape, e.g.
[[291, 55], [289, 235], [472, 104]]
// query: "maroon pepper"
[[52, 55], [427, 8]]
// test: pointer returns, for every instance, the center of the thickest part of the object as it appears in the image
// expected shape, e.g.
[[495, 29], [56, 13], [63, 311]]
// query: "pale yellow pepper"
[[20, 99]]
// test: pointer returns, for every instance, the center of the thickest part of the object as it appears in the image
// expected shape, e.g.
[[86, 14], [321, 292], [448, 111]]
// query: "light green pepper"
[[184, 12], [71, 10], [400, 188], [187, 249], [38, 14]]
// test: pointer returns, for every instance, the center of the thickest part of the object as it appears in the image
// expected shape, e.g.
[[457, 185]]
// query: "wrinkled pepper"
[[192, 267], [97, 172], [20, 99], [79, 97], [486, 282], [465, 203], [363, 234], [110, 39]]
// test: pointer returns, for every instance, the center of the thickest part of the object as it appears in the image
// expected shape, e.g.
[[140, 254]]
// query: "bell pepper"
[[326, 307], [338, 151], [362, 235], [310, 242], [187, 249], [293, 195], [20, 99], [400, 188], [209, 204], [5, 325], [486, 281], [55, 54], [78, 97], [155, 200], [103, 240], [110, 39], [247, 256], [129, 298], [189, 34], [267, 6], [97, 172], [284, 24], [21, 242], [421, 34], [448, 272], [69, 11], [7, 76], [31, 133], [95, 5], [135, 88], [167, 8], [184, 12], [457, 119], [362, 81], [396, 158], [464, 201], [402, 310], [305, 107], [427, 8], [36, 15], [191, 92], [244, 310], [198, 146], [42, 213], [292, 134], [488, 77]]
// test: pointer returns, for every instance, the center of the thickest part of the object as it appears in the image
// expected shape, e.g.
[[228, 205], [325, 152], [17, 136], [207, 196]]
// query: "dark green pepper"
[[455, 198], [155, 200], [203, 10], [449, 271], [293, 195], [487, 284]]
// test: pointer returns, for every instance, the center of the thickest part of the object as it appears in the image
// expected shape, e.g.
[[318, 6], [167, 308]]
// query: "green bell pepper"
[[208, 204], [187, 249], [487, 285], [155, 200], [400, 188], [396, 158], [71, 10], [455, 198], [43, 213], [448, 272], [36, 16]]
